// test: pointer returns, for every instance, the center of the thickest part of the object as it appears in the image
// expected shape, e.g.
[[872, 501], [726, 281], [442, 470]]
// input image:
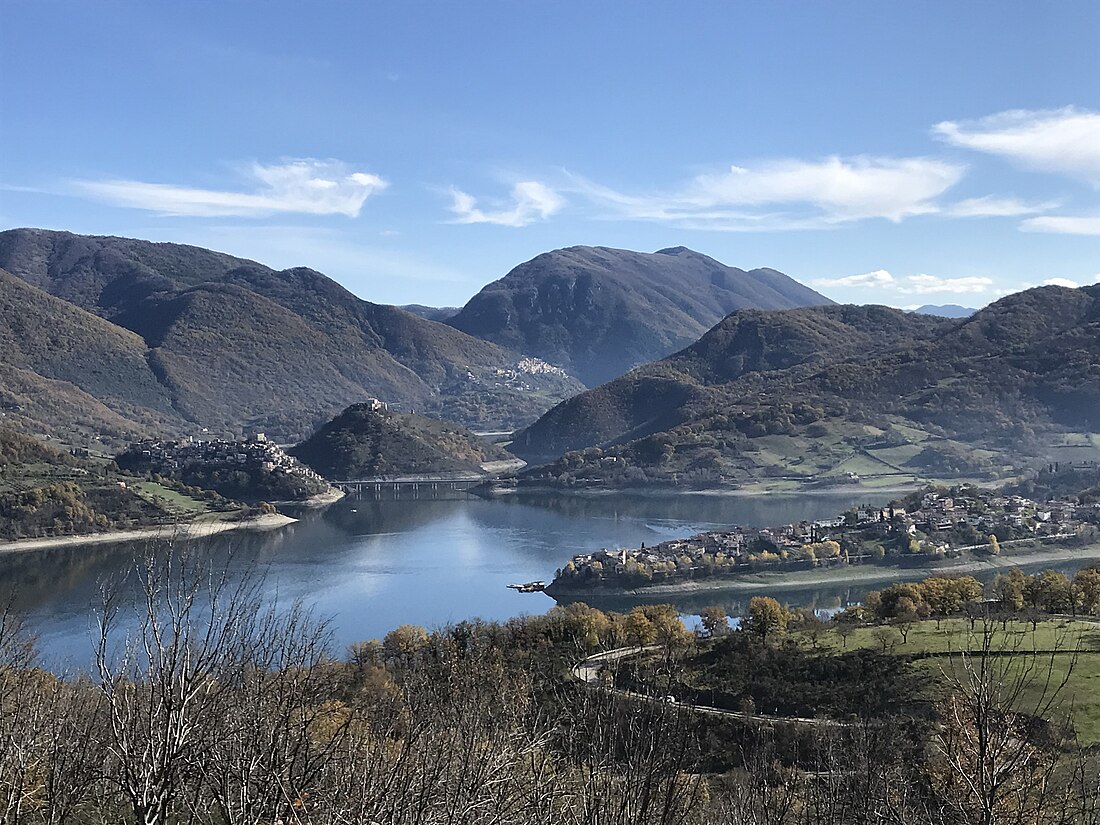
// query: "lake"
[[374, 563]]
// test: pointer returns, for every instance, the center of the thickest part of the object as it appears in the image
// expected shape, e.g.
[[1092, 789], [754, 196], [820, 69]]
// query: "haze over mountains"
[[431, 313], [825, 391], [598, 312]]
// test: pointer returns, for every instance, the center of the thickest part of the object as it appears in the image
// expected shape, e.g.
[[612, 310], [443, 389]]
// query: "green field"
[[1078, 665], [897, 456], [862, 464], [169, 499]]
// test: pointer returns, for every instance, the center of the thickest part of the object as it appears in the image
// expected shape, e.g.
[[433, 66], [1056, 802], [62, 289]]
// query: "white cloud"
[[927, 284], [910, 284], [1066, 141], [991, 206], [792, 194], [1064, 224], [880, 277], [843, 189], [306, 186], [531, 201], [1066, 282]]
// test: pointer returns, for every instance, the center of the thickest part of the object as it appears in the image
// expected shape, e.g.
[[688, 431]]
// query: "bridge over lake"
[[441, 481]]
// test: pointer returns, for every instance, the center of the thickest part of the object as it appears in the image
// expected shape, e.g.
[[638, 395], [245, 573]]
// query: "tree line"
[[209, 704]]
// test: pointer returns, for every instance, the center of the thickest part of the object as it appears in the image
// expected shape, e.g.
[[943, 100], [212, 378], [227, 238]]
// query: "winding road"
[[588, 671]]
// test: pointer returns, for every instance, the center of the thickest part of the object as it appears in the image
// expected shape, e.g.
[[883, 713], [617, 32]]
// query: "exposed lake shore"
[[847, 574], [662, 491], [190, 530], [317, 502]]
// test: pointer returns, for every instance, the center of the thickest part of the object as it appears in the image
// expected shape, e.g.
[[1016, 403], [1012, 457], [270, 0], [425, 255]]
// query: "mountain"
[[64, 369], [431, 313], [599, 312], [188, 338], [946, 310], [836, 392], [368, 440], [661, 396]]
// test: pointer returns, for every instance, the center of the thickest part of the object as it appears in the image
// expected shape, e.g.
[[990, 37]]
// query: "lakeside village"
[[926, 527]]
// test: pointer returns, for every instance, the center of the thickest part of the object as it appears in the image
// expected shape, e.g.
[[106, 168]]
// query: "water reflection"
[[374, 563]]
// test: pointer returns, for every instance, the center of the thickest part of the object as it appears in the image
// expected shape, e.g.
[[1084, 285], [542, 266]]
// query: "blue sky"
[[898, 153]]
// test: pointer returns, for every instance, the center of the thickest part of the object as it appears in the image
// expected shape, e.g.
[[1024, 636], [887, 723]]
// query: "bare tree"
[[999, 747], [273, 739], [165, 680]]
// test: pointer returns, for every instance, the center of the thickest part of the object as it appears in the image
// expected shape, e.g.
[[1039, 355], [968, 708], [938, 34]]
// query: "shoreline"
[[185, 530], [317, 502], [751, 491], [849, 574]]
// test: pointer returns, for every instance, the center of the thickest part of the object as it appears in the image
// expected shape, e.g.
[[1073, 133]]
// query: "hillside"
[[660, 396], [829, 394], [63, 369], [366, 441], [47, 492], [431, 313], [599, 312], [194, 338]]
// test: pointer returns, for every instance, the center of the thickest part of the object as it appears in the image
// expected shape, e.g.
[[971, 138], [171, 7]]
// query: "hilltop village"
[[926, 527]]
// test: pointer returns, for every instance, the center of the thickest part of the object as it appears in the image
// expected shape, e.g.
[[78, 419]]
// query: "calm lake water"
[[372, 564]]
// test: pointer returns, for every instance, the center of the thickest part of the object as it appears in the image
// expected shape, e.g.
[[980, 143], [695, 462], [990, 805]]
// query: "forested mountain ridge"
[[836, 392], [234, 345], [662, 395], [598, 312]]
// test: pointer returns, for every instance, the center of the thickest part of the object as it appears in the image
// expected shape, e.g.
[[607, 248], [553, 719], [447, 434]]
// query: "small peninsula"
[[925, 529]]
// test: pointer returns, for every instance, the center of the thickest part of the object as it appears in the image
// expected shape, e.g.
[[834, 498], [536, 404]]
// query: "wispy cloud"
[[1065, 141], [791, 194], [992, 206], [910, 284], [304, 186], [530, 201], [1064, 224]]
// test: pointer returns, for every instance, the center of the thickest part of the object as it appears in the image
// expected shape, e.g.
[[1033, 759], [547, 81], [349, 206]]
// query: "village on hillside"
[[255, 467], [929, 526]]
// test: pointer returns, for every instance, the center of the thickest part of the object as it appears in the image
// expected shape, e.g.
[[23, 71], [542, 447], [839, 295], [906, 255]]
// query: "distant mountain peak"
[[599, 312], [946, 310]]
